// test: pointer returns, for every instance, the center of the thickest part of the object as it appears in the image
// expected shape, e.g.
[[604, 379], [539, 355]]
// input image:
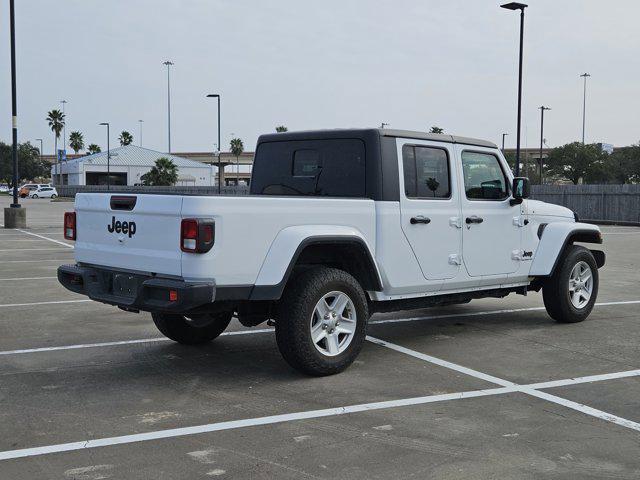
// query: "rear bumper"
[[133, 291]]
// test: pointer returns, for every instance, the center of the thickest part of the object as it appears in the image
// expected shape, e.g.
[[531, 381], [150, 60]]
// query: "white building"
[[126, 166]]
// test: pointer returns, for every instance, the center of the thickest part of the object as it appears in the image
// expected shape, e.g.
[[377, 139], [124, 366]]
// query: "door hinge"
[[455, 222], [520, 221], [454, 259]]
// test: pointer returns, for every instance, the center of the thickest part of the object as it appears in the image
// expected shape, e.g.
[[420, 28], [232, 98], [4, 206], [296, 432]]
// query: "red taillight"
[[70, 225], [197, 235]]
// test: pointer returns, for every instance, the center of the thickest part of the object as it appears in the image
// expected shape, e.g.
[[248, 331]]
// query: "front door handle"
[[474, 219], [420, 219]]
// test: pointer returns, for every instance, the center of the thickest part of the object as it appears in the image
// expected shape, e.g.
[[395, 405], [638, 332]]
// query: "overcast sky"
[[329, 64]]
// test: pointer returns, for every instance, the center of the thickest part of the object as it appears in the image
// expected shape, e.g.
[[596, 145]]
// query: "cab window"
[[484, 178], [426, 172]]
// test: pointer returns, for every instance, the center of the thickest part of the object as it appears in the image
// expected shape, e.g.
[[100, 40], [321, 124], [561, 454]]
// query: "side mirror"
[[520, 189]]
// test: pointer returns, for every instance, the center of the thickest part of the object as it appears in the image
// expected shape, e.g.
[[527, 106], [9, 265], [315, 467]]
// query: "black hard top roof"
[[368, 132]]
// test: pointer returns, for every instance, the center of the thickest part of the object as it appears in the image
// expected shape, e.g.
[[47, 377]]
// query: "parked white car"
[[44, 192], [339, 224], [4, 188]]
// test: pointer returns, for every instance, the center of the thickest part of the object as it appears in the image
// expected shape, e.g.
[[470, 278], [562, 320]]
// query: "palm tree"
[[76, 141], [435, 129], [125, 138], [164, 173], [281, 129], [55, 118], [93, 148], [237, 147]]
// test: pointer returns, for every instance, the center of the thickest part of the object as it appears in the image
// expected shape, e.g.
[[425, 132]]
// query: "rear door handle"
[[474, 219], [420, 219]]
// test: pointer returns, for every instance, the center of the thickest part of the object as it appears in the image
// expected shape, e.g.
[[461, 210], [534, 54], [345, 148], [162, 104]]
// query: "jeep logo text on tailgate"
[[122, 227]]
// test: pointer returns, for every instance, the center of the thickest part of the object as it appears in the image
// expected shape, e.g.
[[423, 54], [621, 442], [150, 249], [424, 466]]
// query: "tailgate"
[[131, 232]]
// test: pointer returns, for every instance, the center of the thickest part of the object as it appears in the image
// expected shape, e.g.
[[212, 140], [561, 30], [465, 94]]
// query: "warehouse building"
[[126, 165]]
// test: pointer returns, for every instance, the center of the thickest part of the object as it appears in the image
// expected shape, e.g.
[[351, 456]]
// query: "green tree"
[[575, 162], [281, 129], [435, 129], [76, 141], [29, 163], [93, 148], [56, 120], [125, 138], [164, 173], [237, 147], [623, 165]]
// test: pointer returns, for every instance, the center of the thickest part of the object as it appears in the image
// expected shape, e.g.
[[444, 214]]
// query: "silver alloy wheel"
[[333, 323], [580, 284]]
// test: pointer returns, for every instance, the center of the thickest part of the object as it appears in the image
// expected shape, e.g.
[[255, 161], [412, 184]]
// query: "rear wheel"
[[35, 195], [321, 321], [570, 293], [54, 195], [193, 329]]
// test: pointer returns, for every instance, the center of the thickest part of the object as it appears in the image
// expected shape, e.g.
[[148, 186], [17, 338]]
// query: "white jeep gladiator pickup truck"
[[339, 224]]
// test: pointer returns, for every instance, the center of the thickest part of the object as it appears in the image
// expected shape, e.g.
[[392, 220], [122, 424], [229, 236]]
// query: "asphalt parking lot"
[[491, 389]]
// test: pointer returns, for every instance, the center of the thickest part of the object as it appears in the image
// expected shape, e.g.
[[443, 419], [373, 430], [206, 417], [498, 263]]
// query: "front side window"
[[426, 172], [484, 178]]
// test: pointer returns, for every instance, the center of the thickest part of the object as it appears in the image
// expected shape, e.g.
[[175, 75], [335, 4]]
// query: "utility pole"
[[140, 122], [216, 95], [64, 129], [168, 63], [503, 135], [584, 102], [542, 109], [108, 157]]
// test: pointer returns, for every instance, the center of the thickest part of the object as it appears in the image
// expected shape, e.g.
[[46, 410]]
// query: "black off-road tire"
[[179, 329], [555, 291], [293, 320]]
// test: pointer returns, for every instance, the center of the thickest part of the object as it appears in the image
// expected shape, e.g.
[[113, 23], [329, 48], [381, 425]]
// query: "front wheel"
[[570, 293], [321, 321], [54, 195], [193, 329], [34, 196]]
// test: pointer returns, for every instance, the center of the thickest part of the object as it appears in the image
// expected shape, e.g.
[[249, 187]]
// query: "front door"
[[491, 237], [430, 206]]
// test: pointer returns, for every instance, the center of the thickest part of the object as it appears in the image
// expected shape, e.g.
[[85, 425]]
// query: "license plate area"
[[126, 285]]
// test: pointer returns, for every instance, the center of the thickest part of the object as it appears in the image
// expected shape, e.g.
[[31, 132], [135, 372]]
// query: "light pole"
[[584, 102], [168, 63], [108, 157], [14, 106], [140, 122], [40, 140], [216, 95], [503, 135], [542, 109], [64, 129], [518, 6]]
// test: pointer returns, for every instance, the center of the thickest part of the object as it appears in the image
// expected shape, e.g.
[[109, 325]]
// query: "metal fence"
[[72, 190], [596, 203]]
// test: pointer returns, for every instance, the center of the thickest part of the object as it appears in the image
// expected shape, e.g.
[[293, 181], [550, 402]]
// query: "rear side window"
[[332, 168], [426, 172], [484, 178]]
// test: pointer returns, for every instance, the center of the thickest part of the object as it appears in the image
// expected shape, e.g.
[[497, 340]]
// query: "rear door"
[[130, 232], [491, 233], [430, 207]]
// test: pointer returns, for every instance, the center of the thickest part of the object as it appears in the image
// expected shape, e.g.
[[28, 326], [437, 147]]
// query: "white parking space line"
[[25, 278], [587, 379], [45, 238], [249, 422], [520, 388], [43, 303], [120, 342]]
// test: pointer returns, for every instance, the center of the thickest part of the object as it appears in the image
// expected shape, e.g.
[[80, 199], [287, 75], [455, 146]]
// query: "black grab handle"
[[420, 219], [470, 220]]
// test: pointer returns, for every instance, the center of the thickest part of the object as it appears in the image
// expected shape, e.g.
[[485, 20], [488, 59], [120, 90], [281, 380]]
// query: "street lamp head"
[[213, 95], [585, 75], [167, 62], [544, 108], [104, 123], [514, 6]]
